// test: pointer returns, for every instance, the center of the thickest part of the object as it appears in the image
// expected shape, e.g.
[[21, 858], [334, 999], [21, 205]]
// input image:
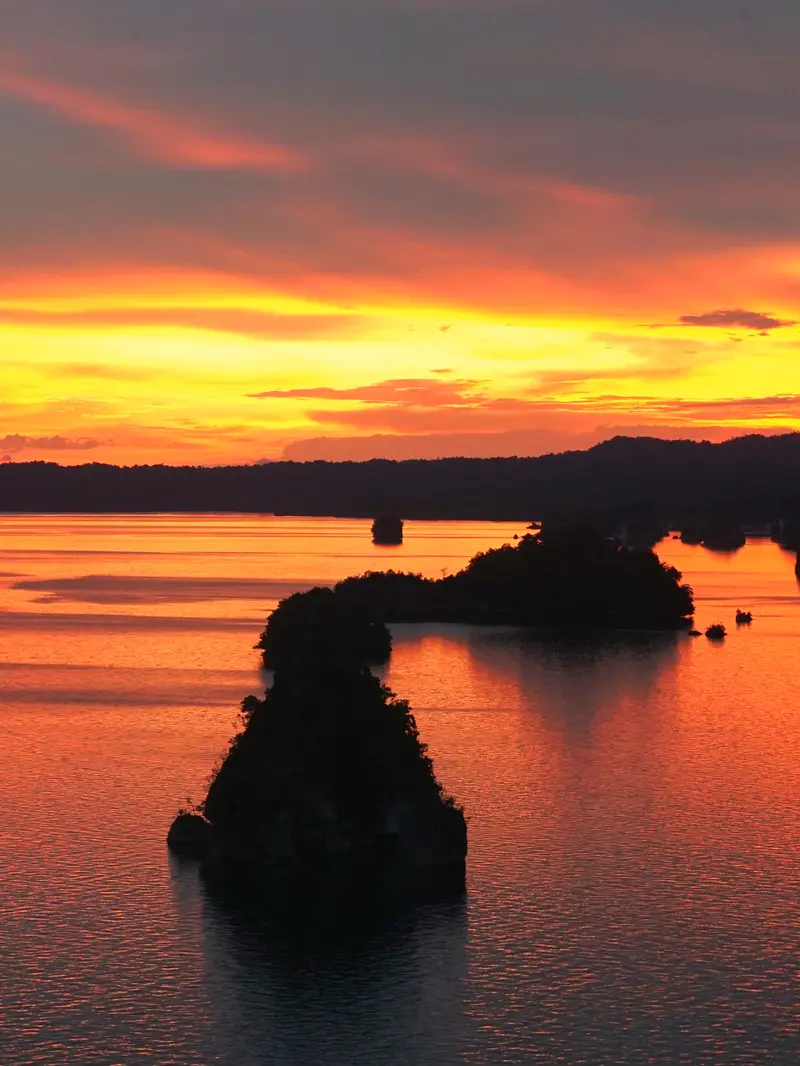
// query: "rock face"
[[387, 529]]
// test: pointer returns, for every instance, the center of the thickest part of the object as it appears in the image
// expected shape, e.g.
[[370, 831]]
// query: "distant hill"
[[747, 479]]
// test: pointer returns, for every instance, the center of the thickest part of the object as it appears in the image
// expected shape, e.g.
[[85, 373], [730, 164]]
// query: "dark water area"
[[634, 867]]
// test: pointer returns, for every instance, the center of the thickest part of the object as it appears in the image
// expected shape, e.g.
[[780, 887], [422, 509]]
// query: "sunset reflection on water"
[[633, 809]]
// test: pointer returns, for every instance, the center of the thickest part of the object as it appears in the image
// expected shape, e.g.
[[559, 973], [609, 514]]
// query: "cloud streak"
[[174, 141], [402, 392], [213, 319], [734, 318], [17, 442]]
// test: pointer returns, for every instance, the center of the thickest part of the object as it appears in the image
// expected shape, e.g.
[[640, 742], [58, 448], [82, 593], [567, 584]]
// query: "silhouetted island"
[[571, 578], [692, 533], [328, 784], [716, 534], [724, 537], [387, 529], [642, 483]]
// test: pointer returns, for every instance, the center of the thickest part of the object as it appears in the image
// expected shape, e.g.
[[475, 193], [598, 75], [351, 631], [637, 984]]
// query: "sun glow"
[[170, 367], [201, 265]]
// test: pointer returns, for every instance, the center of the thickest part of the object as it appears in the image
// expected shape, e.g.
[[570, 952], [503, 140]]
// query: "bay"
[[633, 805]]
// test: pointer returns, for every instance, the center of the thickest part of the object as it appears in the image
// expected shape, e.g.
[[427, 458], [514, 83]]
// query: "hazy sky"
[[356, 227]]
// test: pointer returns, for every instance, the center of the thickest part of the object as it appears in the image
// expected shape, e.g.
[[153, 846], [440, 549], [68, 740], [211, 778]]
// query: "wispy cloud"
[[402, 392], [175, 140], [215, 319]]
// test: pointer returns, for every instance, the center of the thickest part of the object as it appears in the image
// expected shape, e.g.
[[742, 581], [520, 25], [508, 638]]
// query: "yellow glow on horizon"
[[169, 364]]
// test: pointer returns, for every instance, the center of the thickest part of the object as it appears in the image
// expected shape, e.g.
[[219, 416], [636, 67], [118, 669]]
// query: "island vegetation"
[[387, 529], [715, 533], [322, 626], [327, 783], [692, 533], [570, 578]]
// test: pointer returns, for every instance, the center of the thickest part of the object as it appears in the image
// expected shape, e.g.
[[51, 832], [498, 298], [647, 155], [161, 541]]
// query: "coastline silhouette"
[[641, 485]]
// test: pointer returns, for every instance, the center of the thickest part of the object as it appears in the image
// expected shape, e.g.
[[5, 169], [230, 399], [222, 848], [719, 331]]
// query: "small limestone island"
[[387, 529], [569, 577], [717, 631], [714, 535], [327, 785]]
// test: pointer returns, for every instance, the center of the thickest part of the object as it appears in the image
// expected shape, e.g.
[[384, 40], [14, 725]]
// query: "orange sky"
[[237, 229]]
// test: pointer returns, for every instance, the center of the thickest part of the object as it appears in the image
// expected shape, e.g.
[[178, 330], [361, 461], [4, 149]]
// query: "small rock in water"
[[189, 835]]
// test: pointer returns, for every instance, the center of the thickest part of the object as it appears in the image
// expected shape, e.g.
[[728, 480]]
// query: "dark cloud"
[[17, 442], [136, 122], [759, 321]]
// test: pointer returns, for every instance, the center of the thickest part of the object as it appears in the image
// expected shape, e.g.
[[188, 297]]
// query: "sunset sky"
[[242, 229]]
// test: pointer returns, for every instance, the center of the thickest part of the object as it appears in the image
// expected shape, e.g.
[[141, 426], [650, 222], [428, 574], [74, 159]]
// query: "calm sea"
[[634, 868]]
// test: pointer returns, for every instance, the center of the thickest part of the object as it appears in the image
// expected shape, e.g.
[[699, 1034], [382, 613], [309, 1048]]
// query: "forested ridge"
[[749, 479]]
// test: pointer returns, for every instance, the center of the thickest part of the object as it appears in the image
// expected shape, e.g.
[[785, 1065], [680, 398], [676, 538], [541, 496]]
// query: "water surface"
[[633, 802]]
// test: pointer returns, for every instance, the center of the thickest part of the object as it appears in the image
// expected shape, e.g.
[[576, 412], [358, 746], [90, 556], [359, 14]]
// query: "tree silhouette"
[[319, 626], [572, 577]]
